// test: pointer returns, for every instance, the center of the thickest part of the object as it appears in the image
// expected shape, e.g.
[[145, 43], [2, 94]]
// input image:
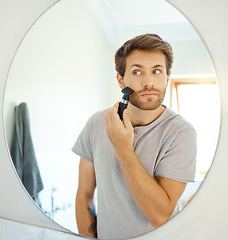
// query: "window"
[[197, 99]]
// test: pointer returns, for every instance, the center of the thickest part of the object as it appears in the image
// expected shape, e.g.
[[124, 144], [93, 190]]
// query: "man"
[[140, 165]]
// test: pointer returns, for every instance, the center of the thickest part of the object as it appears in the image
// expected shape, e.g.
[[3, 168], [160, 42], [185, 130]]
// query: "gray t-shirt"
[[166, 147]]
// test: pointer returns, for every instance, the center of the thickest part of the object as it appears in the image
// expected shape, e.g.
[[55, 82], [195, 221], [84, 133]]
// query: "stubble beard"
[[151, 103]]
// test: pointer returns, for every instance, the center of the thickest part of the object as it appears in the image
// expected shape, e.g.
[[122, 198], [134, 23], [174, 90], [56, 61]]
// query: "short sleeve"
[[83, 145], [179, 161]]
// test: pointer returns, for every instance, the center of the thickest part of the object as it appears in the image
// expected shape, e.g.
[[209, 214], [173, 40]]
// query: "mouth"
[[148, 94]]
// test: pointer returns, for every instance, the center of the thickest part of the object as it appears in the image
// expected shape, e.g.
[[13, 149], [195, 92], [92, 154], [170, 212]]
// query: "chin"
[[147, 107]]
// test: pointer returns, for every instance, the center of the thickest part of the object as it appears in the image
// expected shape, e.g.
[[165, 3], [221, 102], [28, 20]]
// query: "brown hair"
[[145, 42]]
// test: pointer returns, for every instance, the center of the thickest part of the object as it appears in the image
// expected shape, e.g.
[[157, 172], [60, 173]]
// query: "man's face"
[[146, 74]]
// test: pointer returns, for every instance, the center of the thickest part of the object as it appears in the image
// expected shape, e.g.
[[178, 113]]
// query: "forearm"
[[150, 197], [86, 217], [156, 198]]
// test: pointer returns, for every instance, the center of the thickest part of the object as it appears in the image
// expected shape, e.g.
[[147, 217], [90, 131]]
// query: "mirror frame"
[[195, 221]]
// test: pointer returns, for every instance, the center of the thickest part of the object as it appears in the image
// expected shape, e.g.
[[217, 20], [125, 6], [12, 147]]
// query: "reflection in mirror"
[[64, 72]]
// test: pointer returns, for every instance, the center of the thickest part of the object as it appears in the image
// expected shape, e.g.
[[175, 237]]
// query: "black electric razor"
[[124, 101]]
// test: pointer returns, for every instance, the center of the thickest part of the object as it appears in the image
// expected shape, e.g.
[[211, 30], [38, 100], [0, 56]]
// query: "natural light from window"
[[198, 101]]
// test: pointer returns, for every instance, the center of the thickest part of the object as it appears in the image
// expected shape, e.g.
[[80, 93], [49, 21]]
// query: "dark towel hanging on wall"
[[23, 153]]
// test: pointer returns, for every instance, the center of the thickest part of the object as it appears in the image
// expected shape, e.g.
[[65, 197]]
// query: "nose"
[[148, 81]]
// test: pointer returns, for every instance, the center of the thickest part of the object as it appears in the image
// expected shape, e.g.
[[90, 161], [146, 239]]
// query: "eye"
[[156, 71], [137, 72]]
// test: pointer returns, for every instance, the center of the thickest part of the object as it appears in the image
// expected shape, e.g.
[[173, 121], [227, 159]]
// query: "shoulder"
[[177, 122], [174, 127], [99, 115], [97, 119]]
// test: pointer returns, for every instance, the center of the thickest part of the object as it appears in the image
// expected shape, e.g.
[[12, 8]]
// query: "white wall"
[[62, 70], [191, 57], [10, 230], [63, 60]]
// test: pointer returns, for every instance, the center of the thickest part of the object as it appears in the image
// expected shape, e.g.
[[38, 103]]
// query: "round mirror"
[[63, 72]]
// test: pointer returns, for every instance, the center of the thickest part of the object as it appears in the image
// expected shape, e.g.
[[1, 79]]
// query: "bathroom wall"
[[191, 58], [13, 230], [62, 70]]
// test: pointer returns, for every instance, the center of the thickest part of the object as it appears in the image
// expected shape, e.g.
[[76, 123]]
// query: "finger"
[[109, 118], [114, 112], [116, 107], [126, 119], [106, 118], [112, 115]]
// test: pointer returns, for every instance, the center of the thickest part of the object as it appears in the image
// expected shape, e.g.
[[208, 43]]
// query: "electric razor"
[[124, 101]]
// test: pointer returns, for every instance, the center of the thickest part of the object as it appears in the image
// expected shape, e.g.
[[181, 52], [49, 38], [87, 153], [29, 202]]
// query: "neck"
[[143, 117]]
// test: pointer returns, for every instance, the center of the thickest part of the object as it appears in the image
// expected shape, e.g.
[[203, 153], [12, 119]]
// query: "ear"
[[120, 81]]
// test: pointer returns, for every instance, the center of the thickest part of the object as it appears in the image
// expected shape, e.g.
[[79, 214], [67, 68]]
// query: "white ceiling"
[[123, 19]]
